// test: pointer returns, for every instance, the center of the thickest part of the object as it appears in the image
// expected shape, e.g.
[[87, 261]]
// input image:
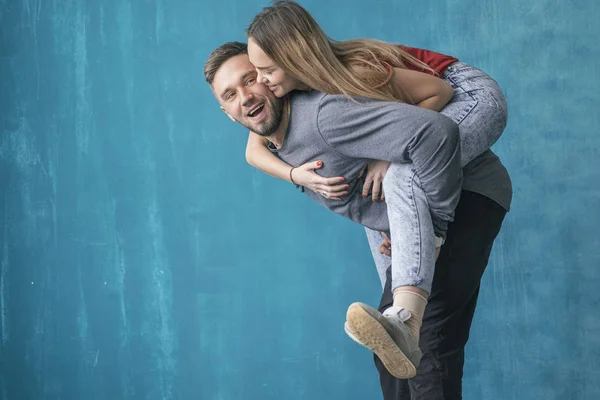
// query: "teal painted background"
[[142, 258]]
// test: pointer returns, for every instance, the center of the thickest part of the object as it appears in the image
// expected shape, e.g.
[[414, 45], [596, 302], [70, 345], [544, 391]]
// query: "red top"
[[437, 61]]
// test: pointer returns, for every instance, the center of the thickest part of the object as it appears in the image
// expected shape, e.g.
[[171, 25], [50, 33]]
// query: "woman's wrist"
[[291, 177]]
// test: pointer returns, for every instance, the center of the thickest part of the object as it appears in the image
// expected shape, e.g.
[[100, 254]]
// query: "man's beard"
[[269, 125]]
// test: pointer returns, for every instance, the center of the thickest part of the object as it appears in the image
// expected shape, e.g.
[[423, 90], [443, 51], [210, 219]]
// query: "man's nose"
[[246, 97]]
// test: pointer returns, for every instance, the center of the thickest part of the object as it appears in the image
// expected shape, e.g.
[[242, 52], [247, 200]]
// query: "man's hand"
[[386, 247]]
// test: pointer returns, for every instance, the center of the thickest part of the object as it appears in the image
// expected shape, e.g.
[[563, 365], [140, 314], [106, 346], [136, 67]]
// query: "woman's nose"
[[261, 78]]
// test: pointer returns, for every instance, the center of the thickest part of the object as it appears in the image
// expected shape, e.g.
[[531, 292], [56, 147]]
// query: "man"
[[343, 134]]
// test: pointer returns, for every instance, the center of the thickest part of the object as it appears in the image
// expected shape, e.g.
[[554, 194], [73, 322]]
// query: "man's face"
[[245, 100]]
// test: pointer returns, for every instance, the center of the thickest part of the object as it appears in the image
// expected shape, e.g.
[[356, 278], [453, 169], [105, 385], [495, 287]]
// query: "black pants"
[[451, 305]]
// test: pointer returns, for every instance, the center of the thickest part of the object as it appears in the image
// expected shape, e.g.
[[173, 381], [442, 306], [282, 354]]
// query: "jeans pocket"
[[459, 107]]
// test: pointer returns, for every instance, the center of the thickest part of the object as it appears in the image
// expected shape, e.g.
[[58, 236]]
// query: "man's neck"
[[278, 137]]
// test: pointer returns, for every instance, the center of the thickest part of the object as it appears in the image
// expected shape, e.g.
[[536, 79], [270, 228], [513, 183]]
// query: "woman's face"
[[269, 73]]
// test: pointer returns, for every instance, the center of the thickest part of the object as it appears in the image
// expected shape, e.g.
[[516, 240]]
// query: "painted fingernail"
[[342, 179], [346, 187], [319, 163], [364, 196]]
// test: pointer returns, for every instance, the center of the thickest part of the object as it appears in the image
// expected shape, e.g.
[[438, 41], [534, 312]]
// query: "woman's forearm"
[[438, 101], [424, 90], [259, 156]]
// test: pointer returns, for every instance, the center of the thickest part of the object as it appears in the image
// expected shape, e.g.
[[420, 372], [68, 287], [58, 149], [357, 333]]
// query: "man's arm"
[[400, 133]]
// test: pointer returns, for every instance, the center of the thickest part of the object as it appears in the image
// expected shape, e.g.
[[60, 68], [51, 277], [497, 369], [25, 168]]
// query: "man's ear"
[[230, 117]]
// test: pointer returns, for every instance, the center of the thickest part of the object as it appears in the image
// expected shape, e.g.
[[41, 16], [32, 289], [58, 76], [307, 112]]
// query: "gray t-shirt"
[[345, 135]]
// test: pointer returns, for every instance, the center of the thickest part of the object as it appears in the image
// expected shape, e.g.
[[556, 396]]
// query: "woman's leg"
[[478, 107], [480, 110], [394, 336]]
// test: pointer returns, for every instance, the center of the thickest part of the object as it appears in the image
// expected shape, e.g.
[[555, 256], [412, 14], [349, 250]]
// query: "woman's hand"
[[330, 188], [376, 170]]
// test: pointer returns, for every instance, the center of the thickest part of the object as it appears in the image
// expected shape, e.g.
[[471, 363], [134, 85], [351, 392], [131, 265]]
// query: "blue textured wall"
[[141, 258]]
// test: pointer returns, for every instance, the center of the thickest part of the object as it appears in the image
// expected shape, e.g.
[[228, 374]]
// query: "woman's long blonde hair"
[[290, 36]]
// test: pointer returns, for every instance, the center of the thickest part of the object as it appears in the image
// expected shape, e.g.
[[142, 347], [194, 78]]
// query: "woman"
[[291, 52]]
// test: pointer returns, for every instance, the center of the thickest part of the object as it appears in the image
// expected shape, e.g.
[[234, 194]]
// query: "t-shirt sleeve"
[[399, 133]]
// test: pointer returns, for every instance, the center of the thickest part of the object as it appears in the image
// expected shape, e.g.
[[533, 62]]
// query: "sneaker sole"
[[371, 334], [351, 334]]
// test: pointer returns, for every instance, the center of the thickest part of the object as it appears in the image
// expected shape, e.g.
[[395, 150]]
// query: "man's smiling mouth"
[[256, 110]]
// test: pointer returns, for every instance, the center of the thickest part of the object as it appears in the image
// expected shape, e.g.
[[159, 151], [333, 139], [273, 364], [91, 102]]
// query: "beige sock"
[[415, 303]]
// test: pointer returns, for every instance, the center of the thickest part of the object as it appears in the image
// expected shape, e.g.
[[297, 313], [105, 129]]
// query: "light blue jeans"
[[480, 110]]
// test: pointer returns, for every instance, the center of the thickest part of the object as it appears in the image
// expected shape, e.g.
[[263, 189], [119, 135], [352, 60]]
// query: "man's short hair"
[[220, 55]]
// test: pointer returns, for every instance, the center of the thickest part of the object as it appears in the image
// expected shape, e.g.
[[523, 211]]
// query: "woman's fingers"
[[312, 165], [335, 191], [376, 190], [367, 187], [331, 194]]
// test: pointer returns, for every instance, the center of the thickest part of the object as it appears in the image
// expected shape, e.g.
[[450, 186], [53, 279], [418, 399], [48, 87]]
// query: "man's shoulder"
[[335, 101], [312, 98], [305, 107]]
